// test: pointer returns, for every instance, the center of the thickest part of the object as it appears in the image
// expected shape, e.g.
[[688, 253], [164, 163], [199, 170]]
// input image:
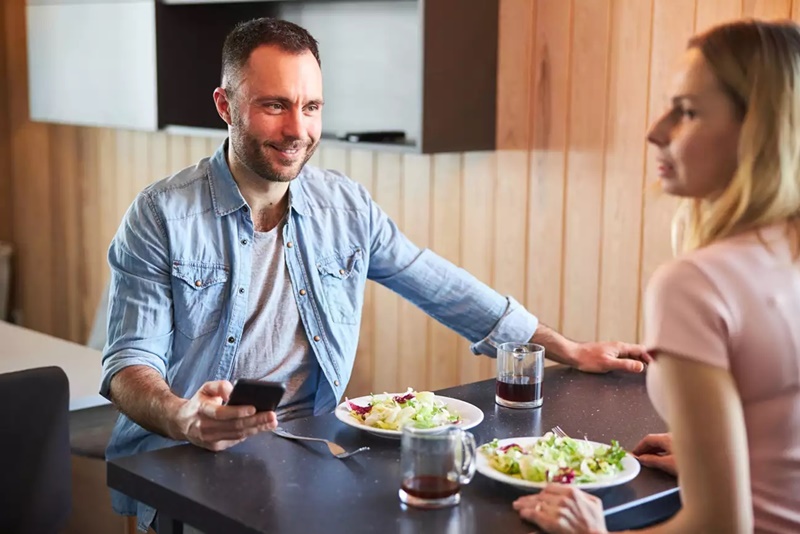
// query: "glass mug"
[[435, 464], [520, 370]]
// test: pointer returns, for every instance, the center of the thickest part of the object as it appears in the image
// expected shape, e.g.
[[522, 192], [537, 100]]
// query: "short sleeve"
[[685, 315]]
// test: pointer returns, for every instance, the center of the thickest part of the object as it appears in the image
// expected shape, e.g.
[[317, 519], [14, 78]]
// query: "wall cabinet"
[[426, 68]]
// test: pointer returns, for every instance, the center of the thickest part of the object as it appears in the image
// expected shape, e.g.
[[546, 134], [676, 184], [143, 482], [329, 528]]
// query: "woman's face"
[[697, 138]]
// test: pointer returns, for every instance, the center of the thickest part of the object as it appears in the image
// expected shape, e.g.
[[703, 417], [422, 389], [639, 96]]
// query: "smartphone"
[[262, 394]]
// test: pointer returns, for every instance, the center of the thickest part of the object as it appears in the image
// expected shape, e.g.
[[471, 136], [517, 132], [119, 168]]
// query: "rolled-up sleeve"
[[444, 291], [140, 324]]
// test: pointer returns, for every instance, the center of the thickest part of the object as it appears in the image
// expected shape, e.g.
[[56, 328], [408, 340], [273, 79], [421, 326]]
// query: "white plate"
[[630, 468], [470, 414]]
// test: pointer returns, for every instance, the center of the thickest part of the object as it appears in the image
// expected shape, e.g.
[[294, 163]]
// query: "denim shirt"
[[180, 274]]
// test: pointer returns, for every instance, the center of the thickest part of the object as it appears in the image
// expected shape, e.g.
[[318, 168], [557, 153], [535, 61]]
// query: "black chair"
[[35, 468]]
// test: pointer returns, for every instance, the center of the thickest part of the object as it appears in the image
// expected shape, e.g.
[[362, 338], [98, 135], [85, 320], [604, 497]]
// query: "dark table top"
[[270, 484]]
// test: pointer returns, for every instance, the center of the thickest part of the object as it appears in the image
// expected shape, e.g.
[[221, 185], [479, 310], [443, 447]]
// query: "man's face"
[[275, 112]]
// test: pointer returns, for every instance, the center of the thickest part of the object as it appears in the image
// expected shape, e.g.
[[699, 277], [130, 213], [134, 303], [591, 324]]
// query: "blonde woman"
[[723, 319]]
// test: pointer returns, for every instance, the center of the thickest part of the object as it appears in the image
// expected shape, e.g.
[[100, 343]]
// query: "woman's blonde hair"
[[757, 63]]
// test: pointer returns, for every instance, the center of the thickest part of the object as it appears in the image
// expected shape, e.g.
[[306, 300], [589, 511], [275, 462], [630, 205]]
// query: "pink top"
[[736, 305]]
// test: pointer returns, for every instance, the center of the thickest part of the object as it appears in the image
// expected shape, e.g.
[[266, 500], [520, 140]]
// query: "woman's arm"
[[704, 412]]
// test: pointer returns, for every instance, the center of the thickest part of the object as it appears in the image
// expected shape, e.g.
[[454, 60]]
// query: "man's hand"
[[609, 356], [591, 357], [205, 421], [655, 450]]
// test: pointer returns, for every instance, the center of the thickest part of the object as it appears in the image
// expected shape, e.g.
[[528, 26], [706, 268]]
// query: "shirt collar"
[[225, 195]]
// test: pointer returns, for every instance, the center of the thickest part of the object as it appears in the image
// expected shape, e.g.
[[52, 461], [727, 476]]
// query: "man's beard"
[[251, 152]]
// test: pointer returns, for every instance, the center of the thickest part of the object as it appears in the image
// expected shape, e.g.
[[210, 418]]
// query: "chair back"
[[35, 466]]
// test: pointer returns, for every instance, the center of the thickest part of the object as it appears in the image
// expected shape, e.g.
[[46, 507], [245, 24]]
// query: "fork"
[[559, 432], [336, 450]]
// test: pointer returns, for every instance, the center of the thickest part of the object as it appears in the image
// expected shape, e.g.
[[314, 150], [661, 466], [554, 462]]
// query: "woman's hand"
[[655, 450], [563, 508]]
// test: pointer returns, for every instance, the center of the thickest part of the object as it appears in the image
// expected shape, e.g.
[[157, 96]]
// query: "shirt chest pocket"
[[342, 285], [198, 293]]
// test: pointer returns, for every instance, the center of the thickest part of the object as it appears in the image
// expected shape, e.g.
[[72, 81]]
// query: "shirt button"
[[244, 209], [289, 244], [316, 338], [336, 383], [198, 283], [231, 339], [241, 291], [341, 271], [302, 292], [244, 241]]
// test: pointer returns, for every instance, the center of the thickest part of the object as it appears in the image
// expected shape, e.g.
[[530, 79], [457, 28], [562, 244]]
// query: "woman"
[[723, 320]]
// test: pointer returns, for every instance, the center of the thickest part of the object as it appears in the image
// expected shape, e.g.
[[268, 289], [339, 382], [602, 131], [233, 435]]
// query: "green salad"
[[555, 459], [390, 412]]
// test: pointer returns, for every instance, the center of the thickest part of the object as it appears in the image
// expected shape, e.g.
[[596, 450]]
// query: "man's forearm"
[[142, 394], [557, 347]]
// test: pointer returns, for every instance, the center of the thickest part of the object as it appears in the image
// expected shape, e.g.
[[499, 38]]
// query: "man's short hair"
[[265, 31]]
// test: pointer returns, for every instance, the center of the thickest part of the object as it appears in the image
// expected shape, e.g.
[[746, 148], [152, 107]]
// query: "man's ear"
[[222, 104]]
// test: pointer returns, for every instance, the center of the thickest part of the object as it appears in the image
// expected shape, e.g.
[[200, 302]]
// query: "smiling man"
[[252, 264]]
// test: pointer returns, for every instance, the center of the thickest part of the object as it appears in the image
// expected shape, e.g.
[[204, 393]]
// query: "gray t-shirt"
[[274, 344]]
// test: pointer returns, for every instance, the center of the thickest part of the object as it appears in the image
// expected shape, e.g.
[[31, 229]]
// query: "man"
[[253, 265]]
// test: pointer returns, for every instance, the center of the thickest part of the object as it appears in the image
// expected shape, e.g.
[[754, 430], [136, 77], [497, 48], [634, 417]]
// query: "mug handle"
[[467, 468]]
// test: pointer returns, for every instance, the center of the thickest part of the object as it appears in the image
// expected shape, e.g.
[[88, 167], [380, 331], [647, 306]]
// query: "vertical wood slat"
[[514, 60], [159, 158], [386, 318], [178, 152], [477, 228], [673, 24], [6, 174], [66, 231], [124, 177], [361, 168], [710, 12], [91, 221], [585, 163], [31, 146], [767, 9], [549, 110], [444, 355], [625, 148], [414, 325]]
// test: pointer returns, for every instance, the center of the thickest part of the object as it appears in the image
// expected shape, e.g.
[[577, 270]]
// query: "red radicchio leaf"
[[509, 446], [400, 399], [565, 475], [360, 410]]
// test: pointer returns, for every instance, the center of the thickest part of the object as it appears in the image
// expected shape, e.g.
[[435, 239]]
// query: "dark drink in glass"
[[520, 370], [430, 487], [518, 391], [435, 463]]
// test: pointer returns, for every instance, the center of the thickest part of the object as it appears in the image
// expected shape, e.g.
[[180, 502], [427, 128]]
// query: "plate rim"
[[482, 466], [342, 413]]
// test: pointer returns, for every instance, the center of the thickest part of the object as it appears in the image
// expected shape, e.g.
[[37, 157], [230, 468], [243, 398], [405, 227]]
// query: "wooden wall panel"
[[562, 216]]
